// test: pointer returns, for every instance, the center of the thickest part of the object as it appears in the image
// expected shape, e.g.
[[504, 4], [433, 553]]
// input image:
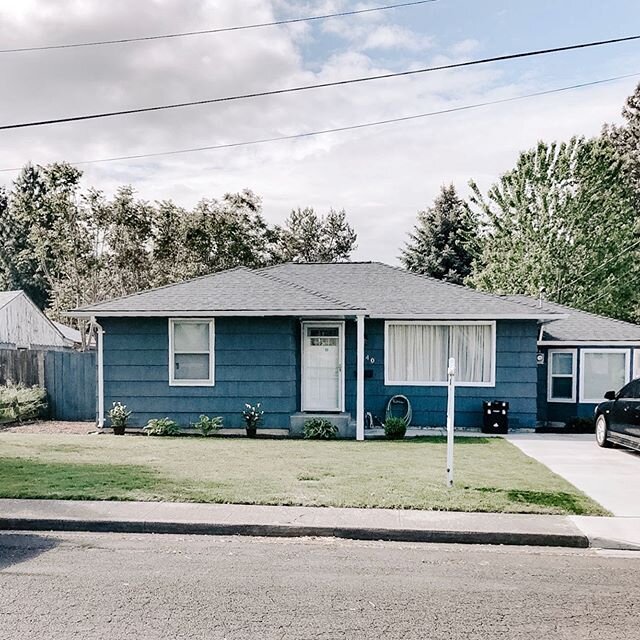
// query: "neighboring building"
[[302, 339], [24, 326], [581, 357]]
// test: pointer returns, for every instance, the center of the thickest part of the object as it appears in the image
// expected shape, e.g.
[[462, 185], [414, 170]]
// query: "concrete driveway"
[[609, 476]]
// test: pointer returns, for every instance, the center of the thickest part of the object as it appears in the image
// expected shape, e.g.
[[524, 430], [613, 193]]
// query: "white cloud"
[[382, 176]]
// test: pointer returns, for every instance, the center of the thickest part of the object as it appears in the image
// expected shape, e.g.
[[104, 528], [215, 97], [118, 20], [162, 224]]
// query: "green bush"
[[18, 403], [162, 427], [394, 428], [320, 429], [580, 425], [208, 426]]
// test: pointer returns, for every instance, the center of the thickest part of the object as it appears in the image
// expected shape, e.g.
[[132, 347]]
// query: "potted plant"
[[118, 415], [252, 417]]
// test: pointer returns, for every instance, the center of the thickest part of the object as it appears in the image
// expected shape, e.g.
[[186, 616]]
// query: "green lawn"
[[491, 474]]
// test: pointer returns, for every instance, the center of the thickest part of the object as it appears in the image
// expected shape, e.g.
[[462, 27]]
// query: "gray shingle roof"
[[303, 288], [385, 290], [582, 326], [237, 289]]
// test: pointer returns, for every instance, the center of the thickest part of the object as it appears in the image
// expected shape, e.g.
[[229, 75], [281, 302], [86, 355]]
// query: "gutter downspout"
[[360, 378], [100, 366]]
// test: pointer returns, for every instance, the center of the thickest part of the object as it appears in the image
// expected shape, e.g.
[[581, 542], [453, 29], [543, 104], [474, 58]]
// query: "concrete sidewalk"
[[360, 524]]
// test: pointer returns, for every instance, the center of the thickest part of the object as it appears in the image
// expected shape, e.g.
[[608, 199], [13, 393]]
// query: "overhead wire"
[[183, 34], [353, 127], [321, 85]]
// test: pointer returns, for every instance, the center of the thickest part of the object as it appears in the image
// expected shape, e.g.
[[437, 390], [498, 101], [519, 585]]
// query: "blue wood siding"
[[256, 360], [564, 411], [516, 380]]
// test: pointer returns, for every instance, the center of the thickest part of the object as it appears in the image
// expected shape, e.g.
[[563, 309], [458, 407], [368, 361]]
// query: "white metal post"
[[100, 363], [360, 378], [451, 409]]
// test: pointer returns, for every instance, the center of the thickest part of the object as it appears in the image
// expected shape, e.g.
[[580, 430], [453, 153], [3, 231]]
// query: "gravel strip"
[[50, 426]]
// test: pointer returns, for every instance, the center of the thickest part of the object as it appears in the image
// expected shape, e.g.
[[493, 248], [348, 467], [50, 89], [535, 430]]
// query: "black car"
[[618, 418]]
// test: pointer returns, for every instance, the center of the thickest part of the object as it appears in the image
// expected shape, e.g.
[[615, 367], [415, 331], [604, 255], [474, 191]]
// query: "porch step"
[[346, 425]]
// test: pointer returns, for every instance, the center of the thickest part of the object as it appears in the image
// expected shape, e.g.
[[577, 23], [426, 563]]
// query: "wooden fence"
[[68, 376]]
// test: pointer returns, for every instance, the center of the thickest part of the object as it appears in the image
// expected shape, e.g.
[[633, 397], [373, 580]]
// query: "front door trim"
[[341, 350]]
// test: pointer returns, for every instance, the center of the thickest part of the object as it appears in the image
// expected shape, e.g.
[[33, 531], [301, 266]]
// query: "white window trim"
[[341, 351], [627, 371], [551, 375], [397, 383], [210, 382]]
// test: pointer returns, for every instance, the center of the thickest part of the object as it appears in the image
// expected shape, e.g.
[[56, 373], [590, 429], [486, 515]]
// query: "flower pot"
[[251, 432], [118, 430]]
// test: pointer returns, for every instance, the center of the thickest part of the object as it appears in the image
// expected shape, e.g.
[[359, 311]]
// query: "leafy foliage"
[[18, 403], [67, 247], [207, 425], [442, 244], [252, 415], [162, 427], [320, 429], [308, 237], [560, 222], [118, 415], [394, 428]]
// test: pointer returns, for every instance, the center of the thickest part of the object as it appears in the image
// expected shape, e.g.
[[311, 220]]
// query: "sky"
[[381, 176]]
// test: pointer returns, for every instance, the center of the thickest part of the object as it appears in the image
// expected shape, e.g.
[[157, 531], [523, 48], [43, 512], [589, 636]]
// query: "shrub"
[[580, 425], [208, 426], [394, 428], [320, 429], [18, 403], [162, 427], [119, 415], [252, 416]]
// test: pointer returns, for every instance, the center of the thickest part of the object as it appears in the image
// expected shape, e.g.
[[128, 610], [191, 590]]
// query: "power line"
[[607, 288], [364, 125], [184, 34], [613, 258], [322, 85]]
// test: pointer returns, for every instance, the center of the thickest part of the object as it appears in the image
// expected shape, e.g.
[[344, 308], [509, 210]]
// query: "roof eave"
[[166, 313], [466, 316]]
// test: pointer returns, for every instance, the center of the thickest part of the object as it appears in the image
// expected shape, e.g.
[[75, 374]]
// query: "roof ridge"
[[16, 293], [322, 296], [166, 286], [450, 284], [588, 313]]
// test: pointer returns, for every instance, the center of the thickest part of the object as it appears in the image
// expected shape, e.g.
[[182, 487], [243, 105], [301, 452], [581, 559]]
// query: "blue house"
[[337, 340], [581, 356]]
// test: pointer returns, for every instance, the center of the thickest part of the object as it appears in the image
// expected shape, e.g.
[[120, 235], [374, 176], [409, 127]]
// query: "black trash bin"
[[495, 417]]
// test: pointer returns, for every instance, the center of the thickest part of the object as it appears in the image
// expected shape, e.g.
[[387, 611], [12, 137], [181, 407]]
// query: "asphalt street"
[[116, 586]]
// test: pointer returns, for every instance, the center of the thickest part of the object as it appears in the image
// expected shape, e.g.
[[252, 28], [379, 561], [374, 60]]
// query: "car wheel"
[[601, 432]]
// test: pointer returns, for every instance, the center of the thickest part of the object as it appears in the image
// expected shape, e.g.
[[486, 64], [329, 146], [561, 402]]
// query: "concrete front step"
[[346, 425]]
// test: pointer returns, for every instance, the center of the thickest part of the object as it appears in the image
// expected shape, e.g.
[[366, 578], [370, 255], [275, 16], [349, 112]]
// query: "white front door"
[[322, 366]]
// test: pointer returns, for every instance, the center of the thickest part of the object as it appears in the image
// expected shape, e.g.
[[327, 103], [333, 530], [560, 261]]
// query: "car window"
[[632, 390]]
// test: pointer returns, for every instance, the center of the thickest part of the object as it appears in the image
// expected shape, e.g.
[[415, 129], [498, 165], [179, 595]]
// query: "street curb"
[[576, 541]]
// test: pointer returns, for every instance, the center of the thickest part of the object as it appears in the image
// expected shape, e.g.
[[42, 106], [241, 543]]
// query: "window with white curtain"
[[417, 353], [191, 354], [602, 370]]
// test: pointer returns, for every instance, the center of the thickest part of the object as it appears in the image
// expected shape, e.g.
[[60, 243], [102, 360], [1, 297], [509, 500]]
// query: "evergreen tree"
[[442, 242]]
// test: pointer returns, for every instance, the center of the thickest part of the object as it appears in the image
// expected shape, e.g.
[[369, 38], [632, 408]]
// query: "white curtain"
[[470, 345], [417, 353], [420, 353], [602, 372]]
